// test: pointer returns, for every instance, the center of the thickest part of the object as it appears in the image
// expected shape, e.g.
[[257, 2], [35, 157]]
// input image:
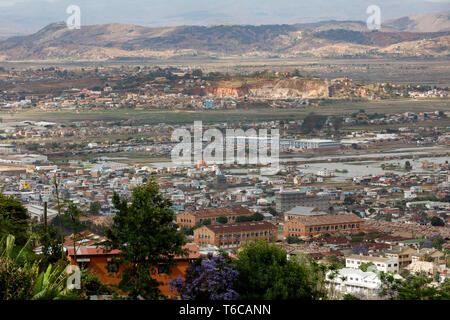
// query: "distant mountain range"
[[423, 35]]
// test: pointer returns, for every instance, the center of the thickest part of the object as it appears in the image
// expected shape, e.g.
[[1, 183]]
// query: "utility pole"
[[56, 185], [45, 216]]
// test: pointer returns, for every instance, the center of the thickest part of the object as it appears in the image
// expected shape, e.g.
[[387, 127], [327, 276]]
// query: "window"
[[83, 265], [112, 267], [163, 269]]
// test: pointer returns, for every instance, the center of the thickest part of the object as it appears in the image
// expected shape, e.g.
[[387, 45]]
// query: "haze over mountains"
[[418, 36]]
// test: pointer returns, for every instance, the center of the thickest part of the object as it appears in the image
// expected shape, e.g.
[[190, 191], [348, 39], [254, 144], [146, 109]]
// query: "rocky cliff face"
[[301, 88], [229, 92], [218, 91]]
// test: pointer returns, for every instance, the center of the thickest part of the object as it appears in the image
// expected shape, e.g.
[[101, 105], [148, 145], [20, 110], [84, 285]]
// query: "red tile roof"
[[217, 212], [93, 251], [240, 226], [328, 219]]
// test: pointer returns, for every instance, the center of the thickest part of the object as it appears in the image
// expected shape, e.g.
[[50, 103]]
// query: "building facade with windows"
[[190, 218], [286, 200], [103, 263], [232, 235], [309, 226], [381, 263], [354, 282], [402, 254], [309, 144]]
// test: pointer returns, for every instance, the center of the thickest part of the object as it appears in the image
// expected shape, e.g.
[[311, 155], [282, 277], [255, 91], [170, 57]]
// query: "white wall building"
[[409, 195], [7, 149], [381, 263], [354, 281], [325, 173], [37, 212]]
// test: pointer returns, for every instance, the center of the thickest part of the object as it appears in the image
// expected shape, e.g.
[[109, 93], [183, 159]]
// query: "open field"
[[427, 71], [233, 116]]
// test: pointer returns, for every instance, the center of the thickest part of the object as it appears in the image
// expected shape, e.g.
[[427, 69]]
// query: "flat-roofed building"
[[12, 171], [308, 226], [234, 234], [381, 263], [190, 218], [429, 267], [7, 148], [37, 212], [429, 254], [402, 254], [309, 144], [318, 144], [285, 200]]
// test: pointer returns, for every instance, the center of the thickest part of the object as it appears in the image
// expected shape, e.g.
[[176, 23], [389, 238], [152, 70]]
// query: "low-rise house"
[[431, 255], [102, 262], [431, 268]]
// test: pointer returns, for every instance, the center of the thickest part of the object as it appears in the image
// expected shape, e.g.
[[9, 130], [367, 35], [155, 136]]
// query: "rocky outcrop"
[[288, 88], [218, 91], [300, 88]]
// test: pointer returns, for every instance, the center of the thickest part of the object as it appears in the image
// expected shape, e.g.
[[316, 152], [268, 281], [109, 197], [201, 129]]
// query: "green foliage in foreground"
[[264, 272], [142, 230], [20, 278], [413, 287], [14, 219]]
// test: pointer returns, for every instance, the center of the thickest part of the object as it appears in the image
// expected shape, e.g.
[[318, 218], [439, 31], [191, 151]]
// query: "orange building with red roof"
[[191, 218], [102, 262]]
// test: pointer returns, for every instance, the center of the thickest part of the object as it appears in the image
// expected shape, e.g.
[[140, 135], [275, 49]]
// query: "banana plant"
[[47, 285], [51, 284]]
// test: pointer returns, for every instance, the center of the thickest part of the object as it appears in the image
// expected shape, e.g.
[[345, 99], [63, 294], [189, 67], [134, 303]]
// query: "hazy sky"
[[27, 16]]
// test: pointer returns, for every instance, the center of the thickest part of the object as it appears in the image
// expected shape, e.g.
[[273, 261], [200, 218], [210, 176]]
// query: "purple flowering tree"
[[207, 279], [360, 249]]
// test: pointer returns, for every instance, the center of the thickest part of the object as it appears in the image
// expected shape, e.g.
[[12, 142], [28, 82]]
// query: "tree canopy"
[[142, 230], [208, 279], [264, 272], [14, 219]]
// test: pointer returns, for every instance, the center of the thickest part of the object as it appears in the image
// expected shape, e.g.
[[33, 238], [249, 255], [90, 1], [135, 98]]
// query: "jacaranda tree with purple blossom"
[[209, 278]]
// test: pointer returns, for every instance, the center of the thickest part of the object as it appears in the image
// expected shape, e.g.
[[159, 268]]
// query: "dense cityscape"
[[352, 204]]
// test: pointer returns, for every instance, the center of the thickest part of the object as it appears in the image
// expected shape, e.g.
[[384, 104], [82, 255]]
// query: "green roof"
[[414, 240]]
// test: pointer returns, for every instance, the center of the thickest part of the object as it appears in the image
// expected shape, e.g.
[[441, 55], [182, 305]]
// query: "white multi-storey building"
[[365, 284], [354, 281], [381, 263], [308, 144]]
